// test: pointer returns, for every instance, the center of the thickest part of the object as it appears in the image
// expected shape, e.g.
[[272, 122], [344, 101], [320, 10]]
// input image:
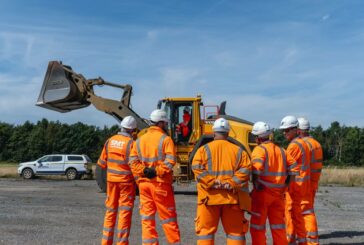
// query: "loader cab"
[[185, 128], [184, 115]]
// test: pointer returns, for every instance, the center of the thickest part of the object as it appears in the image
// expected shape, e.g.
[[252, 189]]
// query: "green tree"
[[5, 134]]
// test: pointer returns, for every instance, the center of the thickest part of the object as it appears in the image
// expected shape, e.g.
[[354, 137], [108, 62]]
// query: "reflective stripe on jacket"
[[115, 157], [153, 149], [224, 161], [299, 150], [273, 165], [316, 158]]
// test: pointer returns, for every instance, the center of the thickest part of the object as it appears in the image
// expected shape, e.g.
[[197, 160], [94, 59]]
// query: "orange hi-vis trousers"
[[295, 223], [233, 221], [266, 204], [157, 196], [120, 196], [308, 212]]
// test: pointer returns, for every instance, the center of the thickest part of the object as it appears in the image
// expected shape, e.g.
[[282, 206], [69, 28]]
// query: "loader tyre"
[[100, 175]]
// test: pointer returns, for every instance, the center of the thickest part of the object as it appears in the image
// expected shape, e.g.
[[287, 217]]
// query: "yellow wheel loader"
[[64, 90]]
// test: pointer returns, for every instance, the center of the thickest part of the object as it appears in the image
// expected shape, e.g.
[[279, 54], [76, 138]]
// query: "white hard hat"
[[221, 125], [303, 123], [289, 122], [158, 116], [261, 129], [186, 108], [128, 122]]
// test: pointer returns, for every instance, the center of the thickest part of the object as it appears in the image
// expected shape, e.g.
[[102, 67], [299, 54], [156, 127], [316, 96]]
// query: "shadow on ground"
[[343, 234]]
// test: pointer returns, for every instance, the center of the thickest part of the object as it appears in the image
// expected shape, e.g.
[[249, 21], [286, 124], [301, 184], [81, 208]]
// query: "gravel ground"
[[48, 211]]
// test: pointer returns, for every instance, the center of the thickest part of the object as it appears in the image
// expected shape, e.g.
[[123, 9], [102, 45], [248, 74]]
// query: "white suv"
[[73, 166]]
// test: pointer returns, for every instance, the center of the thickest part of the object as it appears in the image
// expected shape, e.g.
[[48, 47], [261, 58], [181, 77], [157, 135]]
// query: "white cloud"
[[175, 81], [226, 59], [152, 35], [325, 17]]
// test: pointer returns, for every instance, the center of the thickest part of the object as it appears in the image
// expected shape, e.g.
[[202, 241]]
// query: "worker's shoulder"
[[113, 137], [123, 135], [313, 141], [224, 144], [298, 143]]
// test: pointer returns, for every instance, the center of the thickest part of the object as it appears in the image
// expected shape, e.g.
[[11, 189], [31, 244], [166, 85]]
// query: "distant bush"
[[31, 141]]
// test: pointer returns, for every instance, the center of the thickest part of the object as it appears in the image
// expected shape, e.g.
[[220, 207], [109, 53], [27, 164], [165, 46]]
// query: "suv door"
[[52, 164], [43, 164]]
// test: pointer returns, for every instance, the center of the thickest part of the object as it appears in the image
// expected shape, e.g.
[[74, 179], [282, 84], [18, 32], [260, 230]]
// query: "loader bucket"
[[59, 90]]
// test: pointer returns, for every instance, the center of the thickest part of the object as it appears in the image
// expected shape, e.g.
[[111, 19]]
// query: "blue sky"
[[268, 59]]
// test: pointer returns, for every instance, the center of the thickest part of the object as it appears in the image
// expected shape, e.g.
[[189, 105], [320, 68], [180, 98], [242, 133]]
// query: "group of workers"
[[284, 184]]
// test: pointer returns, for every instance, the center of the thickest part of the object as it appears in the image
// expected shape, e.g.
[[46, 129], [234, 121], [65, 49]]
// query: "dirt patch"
[[8, 171], [44, 211]]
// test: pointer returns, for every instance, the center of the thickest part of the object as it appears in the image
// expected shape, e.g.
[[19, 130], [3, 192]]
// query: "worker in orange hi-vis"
[[183, 128], [120, 183], [316, 167], [152, 159], [272, 169], [299, 189], [222, 170]]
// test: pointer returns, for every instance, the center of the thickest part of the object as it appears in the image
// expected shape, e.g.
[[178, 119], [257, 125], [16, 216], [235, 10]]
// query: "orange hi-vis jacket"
[[316, 160], [299, 150], [153, 149], [184, 124], [272, 164], [224, 161], [114, 157]]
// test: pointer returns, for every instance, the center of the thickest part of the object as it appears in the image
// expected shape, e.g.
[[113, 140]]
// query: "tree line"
[[342, 145], [30, 141]]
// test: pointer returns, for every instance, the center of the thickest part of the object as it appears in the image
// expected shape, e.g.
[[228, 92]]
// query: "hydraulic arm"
[[63, 90]]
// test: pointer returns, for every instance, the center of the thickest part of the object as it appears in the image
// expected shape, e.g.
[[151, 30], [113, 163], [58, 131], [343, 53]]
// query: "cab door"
[[181, 129], [180, 126]]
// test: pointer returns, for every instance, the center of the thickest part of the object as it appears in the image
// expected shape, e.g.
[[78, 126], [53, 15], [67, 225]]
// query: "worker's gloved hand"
[[150, 173]]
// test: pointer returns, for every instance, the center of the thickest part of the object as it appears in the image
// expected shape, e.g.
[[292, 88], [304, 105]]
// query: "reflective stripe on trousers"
[[232, 218], [123, 194], [265, 205], [159, 197]]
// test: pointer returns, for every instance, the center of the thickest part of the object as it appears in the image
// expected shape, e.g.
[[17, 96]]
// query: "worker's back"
[[115, 156], [299, 150], [316, 159], [156, 149], [273, 165], [221, 159]]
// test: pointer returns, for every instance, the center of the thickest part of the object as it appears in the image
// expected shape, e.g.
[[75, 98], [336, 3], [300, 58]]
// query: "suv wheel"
[[27, 173], [71, 174]]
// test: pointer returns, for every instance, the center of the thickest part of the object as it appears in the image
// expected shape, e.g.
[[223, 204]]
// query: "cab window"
[[180, 116]]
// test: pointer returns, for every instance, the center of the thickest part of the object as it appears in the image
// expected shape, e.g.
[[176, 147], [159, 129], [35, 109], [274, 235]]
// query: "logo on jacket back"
[[117, 144]]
